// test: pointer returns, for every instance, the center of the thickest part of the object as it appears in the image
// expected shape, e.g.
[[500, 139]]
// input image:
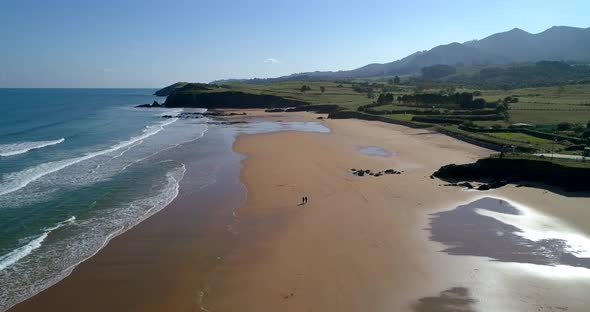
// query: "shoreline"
[[139, 261], [359, 244], [330, 255]]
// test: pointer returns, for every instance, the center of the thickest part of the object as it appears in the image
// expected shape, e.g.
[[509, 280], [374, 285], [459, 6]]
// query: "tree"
[[560, 90], [502, 108], [304, 88], [586, 134], [385, 99], [389, 98], [323, 89], [396, 80], [437, 71], [381, 99], [588, 125], [564, 126]]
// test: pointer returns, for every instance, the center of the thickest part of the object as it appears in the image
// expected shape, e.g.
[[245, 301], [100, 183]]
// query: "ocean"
[[77, 168], [80, 166]]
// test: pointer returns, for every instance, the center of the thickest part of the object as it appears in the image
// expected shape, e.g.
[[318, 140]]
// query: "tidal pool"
[[375, 151]]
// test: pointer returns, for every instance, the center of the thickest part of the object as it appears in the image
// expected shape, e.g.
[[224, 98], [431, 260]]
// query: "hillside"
[[539, 74], [559, 43]]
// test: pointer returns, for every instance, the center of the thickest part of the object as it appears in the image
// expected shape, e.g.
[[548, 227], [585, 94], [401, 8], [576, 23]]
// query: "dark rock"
[[498, 184], [227, 99], [483, 187], [154, 104], [466, 185]]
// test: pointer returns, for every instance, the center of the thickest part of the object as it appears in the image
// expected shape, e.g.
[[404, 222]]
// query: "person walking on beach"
[[304, 200]]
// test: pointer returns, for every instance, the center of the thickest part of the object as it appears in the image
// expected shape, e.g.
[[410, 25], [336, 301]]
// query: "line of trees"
[[464, 100]]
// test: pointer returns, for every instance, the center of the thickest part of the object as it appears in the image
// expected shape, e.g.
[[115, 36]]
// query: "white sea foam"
[[93, 235], [23, 251], [23, 147], [15, 181]]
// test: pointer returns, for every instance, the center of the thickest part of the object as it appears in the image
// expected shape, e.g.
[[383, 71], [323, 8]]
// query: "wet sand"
[[362, 243], [359, 244], [165, 262]]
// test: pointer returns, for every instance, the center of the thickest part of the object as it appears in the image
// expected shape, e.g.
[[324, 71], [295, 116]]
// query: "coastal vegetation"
[[540, 119]]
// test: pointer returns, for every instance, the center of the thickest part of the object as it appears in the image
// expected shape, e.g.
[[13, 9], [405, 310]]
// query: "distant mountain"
[[559, 43]]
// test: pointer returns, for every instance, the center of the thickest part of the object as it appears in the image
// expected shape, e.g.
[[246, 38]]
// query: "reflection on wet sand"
[[375, 151], [467, 232], [456, 299]]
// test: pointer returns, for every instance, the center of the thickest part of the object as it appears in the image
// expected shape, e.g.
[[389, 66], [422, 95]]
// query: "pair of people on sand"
[[304, 200]]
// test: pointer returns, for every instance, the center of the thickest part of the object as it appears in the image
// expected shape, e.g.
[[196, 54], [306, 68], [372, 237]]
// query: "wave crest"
[[15, 181], [23, 251], [23, 147]]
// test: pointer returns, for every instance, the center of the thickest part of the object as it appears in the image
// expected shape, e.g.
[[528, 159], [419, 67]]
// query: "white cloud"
[[108, 70], [271, 61]]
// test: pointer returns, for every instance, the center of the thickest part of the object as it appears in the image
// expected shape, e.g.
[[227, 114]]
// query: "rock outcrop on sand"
[[367, 172], [497, 172]]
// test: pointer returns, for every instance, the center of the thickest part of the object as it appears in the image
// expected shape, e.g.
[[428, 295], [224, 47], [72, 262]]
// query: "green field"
[[538, 106], [520, 137], [340, 94], [544, 108], [548, 105]]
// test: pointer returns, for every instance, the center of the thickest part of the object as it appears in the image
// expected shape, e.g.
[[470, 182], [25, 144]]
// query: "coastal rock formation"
[[363, 172], [169, 89], [501, 171], [154, 104], [194, 115], [228, 99]]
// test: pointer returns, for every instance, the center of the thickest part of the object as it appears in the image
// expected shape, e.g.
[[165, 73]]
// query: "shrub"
[[564, 126]]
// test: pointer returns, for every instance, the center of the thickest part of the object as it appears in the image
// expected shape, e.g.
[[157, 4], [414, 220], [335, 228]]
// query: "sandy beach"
[[359, 244]]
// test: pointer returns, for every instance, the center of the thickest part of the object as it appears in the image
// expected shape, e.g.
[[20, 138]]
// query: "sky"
[[145, 43]]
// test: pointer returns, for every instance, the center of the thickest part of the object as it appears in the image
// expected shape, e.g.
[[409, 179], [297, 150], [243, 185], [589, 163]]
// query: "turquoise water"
[[80, 166], [77, 167]]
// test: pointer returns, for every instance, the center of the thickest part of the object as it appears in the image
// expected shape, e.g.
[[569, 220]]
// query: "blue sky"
[[110, 43]]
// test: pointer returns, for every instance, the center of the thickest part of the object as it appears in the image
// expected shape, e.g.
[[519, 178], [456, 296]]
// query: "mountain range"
[[558, 43]]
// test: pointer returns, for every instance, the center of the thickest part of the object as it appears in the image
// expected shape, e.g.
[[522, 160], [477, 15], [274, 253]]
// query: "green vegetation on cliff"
[[283, 94], [169, 89], [484, 116], [568, 174]]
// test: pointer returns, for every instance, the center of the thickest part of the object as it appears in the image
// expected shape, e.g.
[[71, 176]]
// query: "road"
[[564, 156]]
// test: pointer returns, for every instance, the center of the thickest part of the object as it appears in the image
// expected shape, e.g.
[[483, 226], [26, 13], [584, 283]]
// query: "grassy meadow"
[[542, 107]]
